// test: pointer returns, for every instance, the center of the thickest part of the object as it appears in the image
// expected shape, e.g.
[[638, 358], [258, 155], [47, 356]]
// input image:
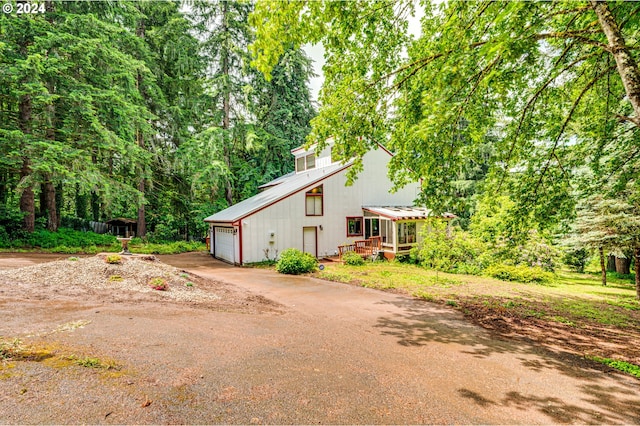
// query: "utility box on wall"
[[271, 236]]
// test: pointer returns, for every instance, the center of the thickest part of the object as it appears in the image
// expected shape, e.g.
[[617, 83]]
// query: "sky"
[[316, 53]]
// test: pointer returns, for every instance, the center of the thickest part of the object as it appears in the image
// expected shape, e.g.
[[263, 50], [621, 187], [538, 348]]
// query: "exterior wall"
[[287, 218]]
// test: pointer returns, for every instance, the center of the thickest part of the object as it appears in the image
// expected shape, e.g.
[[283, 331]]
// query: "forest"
[[145, 110], [521, 118]]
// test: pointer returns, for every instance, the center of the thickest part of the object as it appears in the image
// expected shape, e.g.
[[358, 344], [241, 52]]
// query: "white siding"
[[286, 218]]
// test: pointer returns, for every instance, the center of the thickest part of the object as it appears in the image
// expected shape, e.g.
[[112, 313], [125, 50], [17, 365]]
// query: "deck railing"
[[365, 248]]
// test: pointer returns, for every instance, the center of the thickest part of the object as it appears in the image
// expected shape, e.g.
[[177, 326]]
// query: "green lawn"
[[572, 298]]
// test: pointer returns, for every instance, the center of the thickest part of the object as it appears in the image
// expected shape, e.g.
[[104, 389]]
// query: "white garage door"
[[224, 248]]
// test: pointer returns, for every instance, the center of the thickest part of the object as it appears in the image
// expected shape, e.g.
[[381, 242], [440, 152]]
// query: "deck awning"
[[405, 213]]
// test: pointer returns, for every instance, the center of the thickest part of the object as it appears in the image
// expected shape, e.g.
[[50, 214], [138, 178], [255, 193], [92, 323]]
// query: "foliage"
[[63, 237], [293, 261], [577, 259], [520, 273], [115, 109], [509, 236], [352, 258], [623, 366], [176, 247], [113, 259], [448, 250], [546, 86], [159, 284]]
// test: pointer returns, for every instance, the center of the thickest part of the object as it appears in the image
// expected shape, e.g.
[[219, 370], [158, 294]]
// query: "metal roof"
[[289, 184], [404, 212], [277, 181]]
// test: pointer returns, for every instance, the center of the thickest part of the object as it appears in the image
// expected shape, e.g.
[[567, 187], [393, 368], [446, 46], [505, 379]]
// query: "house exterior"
[[313, 210]]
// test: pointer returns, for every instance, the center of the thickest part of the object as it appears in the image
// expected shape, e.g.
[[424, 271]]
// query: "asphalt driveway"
[[333, 353]]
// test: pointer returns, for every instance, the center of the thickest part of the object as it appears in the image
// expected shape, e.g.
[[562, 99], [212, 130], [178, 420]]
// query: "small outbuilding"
[[122, 227]]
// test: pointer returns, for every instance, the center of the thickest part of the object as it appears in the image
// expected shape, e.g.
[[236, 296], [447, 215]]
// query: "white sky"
[[316, 53]]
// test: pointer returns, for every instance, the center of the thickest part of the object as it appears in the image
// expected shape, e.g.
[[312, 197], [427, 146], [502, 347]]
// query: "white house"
[[311, 209]]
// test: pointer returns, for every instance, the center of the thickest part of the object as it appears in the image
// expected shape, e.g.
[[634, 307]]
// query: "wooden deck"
[[365, 248]]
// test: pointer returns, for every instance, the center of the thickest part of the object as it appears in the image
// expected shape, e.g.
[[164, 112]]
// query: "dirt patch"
[[587, 339]]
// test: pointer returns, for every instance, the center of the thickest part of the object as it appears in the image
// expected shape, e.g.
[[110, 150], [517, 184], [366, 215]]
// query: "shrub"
[[445, 250], [352, 258], [158, 284], [293, 261], [113, 259], [519, 273]]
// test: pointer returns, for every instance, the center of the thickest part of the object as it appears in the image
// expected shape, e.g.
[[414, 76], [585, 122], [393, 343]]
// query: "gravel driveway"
[[322, 353]]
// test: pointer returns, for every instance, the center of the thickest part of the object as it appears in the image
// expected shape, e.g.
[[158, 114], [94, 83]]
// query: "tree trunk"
[[611, 263], [59, 201], [142, 221], [49, 197], [81, 203], [95, 200], [27, 200], [95, 207], [626, 65], [637, 262], [622, 265], [602, 266]]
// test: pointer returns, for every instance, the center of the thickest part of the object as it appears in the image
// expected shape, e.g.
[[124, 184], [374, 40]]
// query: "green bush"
[[352, 258], [62, 238], [519, 273], [293, 261], [448, 250]]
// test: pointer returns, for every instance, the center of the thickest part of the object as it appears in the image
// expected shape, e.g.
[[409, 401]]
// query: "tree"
[[608, 226], [62, 103], [556, 78]]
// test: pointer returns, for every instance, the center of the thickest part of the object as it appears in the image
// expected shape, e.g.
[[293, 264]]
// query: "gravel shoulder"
[[247, 346]]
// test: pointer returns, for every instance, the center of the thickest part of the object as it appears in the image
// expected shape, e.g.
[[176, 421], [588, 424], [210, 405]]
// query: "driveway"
[[333, 354]]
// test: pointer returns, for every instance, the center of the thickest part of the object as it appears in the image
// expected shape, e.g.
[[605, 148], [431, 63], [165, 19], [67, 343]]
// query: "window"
[[354, 226], [305, 163], [313, 202], [371, 227], [311, 161], [386, 232], [406, 233]]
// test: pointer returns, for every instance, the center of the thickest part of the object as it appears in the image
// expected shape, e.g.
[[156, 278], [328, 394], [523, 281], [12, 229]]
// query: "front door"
[[309, 240]]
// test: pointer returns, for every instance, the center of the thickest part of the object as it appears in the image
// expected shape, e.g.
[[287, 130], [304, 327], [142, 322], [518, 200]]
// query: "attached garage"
[[224, 243]]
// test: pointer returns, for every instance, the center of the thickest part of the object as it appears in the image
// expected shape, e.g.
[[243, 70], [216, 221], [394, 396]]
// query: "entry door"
[[309, 240]]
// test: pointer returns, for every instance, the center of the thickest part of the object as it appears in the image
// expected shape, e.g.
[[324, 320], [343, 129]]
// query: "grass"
[[623, 366], [573, 299]]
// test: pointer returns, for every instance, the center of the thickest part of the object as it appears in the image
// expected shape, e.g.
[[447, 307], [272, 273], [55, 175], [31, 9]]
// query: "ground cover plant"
[[70, 241], [573, 311]]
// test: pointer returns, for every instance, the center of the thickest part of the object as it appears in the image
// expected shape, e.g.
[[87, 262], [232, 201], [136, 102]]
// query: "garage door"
[[224, 248]]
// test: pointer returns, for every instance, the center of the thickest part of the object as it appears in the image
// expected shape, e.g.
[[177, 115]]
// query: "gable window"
[[313, 202], [311, 161], [306, 163], [300, 164], [354, 226]]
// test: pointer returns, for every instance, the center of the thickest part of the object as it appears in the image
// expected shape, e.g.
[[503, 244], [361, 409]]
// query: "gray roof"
[[289, 184], [277, 181]]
